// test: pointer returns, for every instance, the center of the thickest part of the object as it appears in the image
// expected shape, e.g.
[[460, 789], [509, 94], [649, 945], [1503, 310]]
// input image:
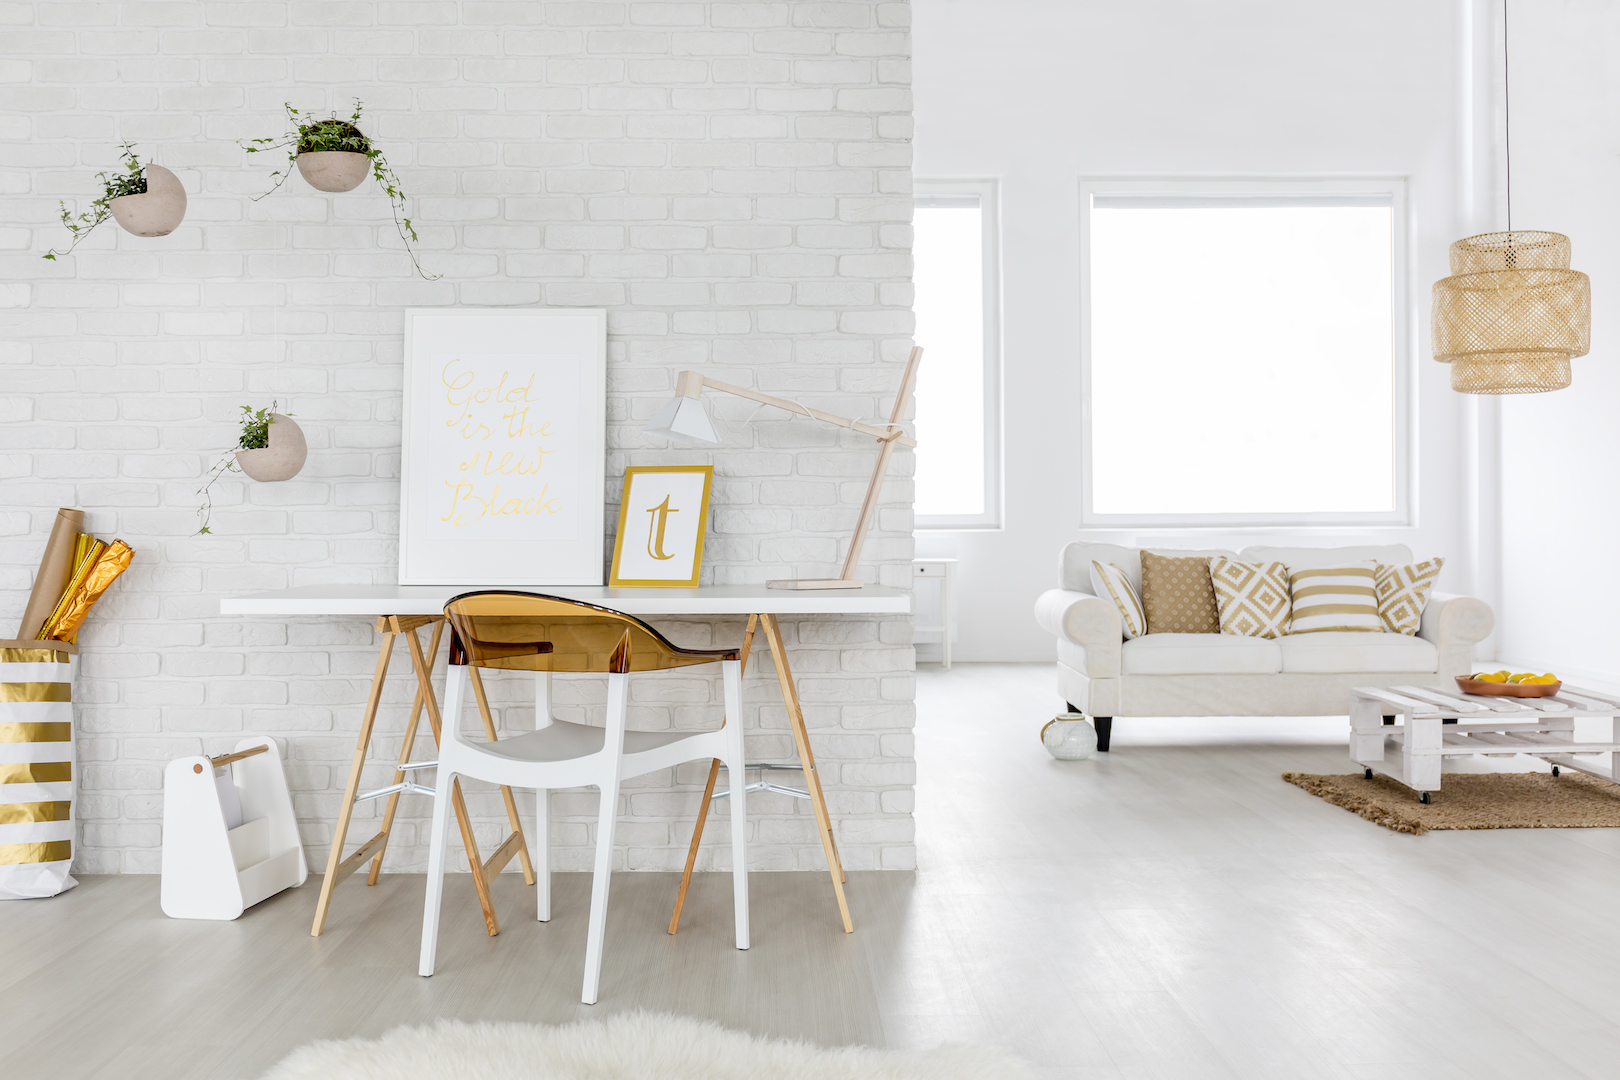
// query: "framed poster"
[[663, 517], [505, 444]]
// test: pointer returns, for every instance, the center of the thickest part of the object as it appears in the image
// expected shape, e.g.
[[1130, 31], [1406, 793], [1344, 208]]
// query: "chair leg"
[[607, 818], [542, 806], [542, 852], [439, 838], [736, 773]]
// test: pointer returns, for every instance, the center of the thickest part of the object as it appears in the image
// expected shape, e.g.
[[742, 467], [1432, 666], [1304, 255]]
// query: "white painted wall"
[[731, 180], [1560, 452], [1037, 93]]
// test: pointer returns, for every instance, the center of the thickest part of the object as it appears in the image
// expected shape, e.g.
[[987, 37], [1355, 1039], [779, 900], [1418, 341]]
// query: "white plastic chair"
[[542, 634]]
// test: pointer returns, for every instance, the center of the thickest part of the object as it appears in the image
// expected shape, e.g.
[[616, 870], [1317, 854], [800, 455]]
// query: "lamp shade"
[[683, 420], [1512, 314]]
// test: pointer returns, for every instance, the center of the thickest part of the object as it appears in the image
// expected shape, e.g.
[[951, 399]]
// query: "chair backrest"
[[533, 632]]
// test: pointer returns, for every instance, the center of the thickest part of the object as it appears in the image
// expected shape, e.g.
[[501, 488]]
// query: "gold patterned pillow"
[[1252, 597], [1402, 593], [1177, 595]]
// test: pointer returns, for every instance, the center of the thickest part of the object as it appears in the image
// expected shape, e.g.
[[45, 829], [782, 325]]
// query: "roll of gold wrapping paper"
[[81, 567], [113, 561]]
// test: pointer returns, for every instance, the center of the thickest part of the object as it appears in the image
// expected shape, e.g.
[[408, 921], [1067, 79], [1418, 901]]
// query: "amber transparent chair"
[[542, 634]]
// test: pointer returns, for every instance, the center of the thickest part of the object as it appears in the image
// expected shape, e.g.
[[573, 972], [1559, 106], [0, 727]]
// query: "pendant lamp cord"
[[1507, 120]]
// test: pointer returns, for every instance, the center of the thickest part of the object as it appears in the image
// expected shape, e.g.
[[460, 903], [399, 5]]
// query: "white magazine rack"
[[229, 836]]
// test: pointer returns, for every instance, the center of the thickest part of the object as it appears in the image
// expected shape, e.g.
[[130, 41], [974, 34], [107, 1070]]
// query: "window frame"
[[990, 277], [1402, 348]]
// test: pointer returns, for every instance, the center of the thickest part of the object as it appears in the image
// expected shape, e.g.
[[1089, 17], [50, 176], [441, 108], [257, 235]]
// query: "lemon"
[[1540, 680], [1495, 677]]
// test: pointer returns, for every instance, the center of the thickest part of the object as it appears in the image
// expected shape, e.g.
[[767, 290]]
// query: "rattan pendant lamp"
[[1512, 314]]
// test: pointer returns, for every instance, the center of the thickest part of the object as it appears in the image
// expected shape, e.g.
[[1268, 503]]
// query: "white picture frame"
[[504, 447]]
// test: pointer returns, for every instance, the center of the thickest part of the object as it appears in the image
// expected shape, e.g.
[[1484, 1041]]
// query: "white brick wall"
[[731, 180]]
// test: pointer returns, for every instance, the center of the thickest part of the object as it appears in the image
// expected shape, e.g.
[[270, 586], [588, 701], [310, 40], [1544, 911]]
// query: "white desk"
[[368, 600], [403, 609]]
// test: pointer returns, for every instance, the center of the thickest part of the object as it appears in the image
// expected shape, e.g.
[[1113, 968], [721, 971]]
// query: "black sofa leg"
[[1103, 724]]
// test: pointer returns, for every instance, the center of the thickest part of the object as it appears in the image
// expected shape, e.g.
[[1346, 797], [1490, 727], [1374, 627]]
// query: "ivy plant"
[[307, 134], [255, 435], [114, 185]]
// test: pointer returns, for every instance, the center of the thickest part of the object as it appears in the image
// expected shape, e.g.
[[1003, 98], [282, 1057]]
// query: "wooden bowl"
[[1497, 689]]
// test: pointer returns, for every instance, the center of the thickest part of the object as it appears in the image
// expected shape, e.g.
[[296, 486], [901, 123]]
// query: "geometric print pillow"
[[1252, 597], [1402, 593]]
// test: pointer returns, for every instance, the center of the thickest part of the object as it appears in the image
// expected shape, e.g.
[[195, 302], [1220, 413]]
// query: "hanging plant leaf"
[[308, 135]]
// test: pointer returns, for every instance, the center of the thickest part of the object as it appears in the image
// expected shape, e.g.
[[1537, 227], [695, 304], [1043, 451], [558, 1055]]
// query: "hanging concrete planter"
[[334, 170], [285, 455], [157, 212]]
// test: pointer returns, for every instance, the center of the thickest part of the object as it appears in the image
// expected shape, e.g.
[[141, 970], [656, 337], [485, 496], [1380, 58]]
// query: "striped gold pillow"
[[1110, 581], [1335, 598]]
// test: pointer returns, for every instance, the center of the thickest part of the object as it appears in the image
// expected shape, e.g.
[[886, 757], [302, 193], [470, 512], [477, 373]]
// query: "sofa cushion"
[[1201, 654], [1334, 598], [1178, 596], [1403, 593], [1253, 597], [1109, 582], [1074, 565], [1311, 558], [1333, 652]]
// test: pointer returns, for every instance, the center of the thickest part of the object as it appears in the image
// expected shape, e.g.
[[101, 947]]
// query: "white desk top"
[[371, 600]]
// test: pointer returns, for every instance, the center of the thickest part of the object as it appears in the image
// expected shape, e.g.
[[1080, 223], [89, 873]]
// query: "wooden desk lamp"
[[683, 420]]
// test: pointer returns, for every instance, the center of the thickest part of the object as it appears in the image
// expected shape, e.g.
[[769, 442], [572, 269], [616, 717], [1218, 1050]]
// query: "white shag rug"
[[632, 1046]]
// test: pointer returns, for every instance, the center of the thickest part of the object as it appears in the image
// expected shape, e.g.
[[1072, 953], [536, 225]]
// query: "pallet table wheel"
[[1555, 770], [1367, 773], [1423, 797]]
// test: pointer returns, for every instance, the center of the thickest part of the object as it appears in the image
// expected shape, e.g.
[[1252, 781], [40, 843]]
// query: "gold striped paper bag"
[[36, 772]]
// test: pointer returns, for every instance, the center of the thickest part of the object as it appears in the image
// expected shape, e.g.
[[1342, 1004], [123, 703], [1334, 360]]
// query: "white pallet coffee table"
[[1405, 732]]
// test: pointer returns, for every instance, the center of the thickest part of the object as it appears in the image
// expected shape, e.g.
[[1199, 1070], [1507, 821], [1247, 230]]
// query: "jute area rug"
[[1474, 801], [633, 1046]]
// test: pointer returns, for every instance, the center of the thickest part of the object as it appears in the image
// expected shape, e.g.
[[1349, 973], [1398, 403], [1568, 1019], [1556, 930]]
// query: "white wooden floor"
[[1170, 910]]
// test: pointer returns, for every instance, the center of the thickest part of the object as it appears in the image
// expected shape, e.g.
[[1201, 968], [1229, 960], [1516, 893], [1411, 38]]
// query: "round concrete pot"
[[282, 459], [1069, 737], [334, 170], [157, 212]]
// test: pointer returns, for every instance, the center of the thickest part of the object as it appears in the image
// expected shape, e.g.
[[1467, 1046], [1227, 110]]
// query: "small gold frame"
[[655, 540]]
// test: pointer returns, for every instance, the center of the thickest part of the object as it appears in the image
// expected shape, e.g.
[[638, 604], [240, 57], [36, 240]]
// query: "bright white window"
[[958, 403], [1244, 353]]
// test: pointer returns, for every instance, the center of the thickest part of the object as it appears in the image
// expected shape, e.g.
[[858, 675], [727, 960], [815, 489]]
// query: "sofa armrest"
[[1455, 624], [1087, 621]]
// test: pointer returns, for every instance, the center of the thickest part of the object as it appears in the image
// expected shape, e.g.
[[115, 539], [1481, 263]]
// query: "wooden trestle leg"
[[405, 754], [338, 867], [807, 760]]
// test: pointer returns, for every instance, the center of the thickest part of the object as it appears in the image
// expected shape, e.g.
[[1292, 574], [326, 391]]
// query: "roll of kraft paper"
[[54, 571]]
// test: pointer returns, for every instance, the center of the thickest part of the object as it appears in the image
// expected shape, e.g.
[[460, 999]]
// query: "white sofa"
[[1103, 676]]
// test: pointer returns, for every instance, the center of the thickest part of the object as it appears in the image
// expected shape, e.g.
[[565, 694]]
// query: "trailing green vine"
[[132, 181], [255, 436], [307, 135]]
